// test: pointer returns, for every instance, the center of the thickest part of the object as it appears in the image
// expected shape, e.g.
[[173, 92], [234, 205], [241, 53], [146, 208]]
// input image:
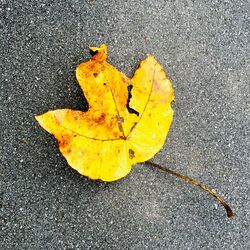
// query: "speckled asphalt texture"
[[204, 48]]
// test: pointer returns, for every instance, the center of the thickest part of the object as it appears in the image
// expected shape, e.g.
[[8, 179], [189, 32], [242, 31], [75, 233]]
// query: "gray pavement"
[[204, 47]]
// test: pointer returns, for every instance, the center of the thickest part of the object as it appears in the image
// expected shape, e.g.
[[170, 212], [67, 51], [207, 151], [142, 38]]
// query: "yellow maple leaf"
[[127, 121]]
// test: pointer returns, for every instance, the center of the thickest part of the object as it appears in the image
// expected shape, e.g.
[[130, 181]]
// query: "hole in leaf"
[[92, 52], [131, 110]]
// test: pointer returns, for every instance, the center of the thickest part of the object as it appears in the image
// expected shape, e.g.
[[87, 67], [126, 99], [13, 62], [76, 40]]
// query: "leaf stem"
[[216, 196]]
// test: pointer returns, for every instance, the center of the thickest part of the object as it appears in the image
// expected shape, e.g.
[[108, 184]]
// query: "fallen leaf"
[[127, 121]]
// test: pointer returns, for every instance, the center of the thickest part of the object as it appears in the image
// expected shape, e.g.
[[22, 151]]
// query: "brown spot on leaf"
[[131, 153], [101, 118], [64, 141], [120, 120]]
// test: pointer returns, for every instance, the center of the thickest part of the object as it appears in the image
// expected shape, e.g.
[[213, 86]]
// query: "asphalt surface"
[[204, 47]]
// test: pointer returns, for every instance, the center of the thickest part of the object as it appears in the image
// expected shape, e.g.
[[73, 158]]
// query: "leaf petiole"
[[216, 196]]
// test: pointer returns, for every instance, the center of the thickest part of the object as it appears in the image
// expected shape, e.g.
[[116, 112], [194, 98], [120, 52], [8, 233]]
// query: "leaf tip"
[[48, 122], [38, 117]]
